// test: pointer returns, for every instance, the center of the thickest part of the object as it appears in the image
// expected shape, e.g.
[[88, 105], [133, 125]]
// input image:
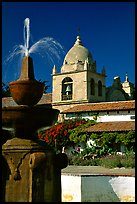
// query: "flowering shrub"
[[58, 135]]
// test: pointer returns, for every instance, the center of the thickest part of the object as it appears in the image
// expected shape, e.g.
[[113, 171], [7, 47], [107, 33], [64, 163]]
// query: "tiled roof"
[[46, 99], [102, 106], [112, 126]]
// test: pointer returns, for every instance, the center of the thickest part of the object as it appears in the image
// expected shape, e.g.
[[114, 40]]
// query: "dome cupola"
[[77, 56]]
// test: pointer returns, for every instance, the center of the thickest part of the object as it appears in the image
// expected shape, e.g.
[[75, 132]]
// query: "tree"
[[45, 86]]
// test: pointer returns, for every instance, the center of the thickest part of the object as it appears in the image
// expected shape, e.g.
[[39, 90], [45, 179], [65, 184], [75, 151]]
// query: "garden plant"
[[103, 152]]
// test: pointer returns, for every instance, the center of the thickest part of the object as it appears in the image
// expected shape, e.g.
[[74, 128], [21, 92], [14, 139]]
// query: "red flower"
[[58, 134]]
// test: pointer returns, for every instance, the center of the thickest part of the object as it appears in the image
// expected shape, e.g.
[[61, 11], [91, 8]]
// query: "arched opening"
[[67, 88], [92, 87], [99, 88]]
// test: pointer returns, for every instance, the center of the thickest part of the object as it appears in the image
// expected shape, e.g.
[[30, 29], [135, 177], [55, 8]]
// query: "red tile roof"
[[112, 126], [102, 106]]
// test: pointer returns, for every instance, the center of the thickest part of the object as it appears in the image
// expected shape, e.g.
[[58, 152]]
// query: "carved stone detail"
[[14, 161]]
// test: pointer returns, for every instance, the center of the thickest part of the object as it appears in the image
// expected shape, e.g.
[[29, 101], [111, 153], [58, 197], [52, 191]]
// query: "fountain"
[[47, 48], [31, 173]]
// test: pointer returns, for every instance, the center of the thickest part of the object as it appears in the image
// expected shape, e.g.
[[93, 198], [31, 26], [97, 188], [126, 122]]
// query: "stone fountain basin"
[[27, 91], [25, 120]]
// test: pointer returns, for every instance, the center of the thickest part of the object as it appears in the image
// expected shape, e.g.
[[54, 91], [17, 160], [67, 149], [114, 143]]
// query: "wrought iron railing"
[[67, 97]]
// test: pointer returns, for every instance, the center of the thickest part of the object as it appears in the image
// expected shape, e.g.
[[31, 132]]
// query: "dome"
[[78, 53]]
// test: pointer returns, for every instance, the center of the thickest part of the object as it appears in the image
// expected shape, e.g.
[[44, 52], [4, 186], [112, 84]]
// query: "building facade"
[[79, 82]]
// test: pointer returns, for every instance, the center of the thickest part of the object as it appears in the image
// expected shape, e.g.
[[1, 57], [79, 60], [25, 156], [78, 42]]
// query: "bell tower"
[[78, 82]]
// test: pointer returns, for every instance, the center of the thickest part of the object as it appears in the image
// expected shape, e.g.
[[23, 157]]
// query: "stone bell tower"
[[78, 82]]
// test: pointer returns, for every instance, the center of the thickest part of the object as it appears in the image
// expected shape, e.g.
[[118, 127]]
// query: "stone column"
[[30, 173]]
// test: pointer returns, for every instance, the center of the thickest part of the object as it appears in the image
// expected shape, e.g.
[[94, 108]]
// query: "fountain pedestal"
[[30, 173]]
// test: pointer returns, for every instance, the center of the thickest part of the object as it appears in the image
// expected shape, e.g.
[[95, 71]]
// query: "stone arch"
[[67, 88]]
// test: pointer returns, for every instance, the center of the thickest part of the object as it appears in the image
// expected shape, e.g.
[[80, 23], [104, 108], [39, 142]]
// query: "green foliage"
[[109, 161], [78, 135], [112, 161], [103, 153], [110, 139], [71, 132], [82, 160], [104, 138], [128, 160], [128, 138]]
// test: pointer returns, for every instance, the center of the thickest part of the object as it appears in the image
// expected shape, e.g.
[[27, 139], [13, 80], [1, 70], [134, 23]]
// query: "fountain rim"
[[25, 81]]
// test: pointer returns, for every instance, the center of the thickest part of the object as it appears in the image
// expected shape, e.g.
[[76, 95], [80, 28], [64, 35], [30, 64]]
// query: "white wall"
[[71, 188], [112, 116], [97, 188], [109, 118]]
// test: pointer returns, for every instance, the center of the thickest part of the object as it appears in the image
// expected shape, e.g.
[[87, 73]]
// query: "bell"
[[68, 89]]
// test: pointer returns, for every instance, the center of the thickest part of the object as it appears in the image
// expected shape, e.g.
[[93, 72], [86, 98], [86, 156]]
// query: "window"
[[67, 88], [99, 88], [92, 87]]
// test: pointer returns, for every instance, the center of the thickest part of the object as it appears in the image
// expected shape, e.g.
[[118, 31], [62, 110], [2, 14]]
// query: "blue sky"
[[107, 30]]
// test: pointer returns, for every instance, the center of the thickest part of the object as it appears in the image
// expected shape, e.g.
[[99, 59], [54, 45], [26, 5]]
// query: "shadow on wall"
[[98, 189]]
